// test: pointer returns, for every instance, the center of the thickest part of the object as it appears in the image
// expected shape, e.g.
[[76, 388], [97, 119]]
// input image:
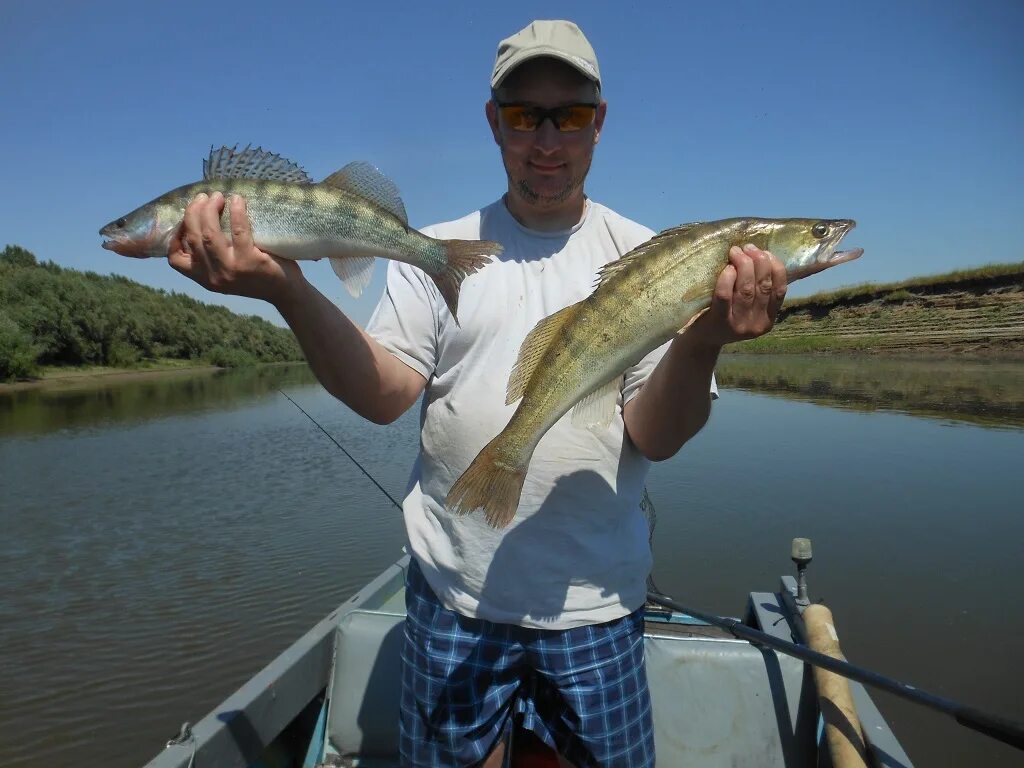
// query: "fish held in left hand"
[[351, 217], [575, 358]]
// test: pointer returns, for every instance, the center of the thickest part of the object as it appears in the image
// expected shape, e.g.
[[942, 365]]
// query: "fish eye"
[[819, 230], [121, 223]]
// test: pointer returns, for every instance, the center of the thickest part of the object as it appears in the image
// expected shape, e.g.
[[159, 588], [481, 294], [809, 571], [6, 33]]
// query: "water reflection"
[[89, 403], [974, 391]]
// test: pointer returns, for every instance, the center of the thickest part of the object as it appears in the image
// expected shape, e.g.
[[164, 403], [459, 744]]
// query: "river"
[[163, 539]]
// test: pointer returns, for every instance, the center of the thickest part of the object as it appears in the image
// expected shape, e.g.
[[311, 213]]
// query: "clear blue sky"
[[908, 117]]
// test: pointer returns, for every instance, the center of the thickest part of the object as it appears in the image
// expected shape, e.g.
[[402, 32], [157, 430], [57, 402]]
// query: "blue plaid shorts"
[[583, 691]]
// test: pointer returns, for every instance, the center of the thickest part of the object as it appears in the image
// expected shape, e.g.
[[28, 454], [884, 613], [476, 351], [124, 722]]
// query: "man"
[[541, 621]]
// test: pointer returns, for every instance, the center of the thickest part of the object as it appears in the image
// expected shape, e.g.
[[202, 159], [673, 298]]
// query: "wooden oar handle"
[[842, 726]]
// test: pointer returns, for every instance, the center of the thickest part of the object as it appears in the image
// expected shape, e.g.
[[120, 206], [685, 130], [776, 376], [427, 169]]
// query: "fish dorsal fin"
[[355, 272], [534, 346], [615, 267], [366, 181], [250, 163], [596, 411]]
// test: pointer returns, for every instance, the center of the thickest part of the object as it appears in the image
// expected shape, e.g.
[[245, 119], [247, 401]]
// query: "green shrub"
[[17, 355], [121, 354], [230, 357], [17, 256], [898, 296]]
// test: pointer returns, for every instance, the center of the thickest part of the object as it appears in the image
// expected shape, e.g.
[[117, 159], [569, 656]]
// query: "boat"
[[331, 699]]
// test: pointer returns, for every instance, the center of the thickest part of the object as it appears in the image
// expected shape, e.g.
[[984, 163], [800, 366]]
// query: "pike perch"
[[351, 217], [575, 358]]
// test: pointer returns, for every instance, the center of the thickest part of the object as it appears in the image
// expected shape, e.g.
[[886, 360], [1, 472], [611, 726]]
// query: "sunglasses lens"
[[576, 118], [519, 118]]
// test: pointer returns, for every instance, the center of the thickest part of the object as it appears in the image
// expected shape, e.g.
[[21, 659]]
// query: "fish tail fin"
[[491, 484], [464, 257]]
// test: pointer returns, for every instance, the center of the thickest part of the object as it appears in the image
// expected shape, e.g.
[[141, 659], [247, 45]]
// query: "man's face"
[[546, 167]]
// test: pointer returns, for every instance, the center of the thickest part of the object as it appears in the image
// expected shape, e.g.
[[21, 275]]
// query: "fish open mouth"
[[822, 262], [125, 247], [115, 244], [841, 257]]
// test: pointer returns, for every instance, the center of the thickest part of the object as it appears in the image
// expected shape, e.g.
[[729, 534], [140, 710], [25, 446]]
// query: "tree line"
[[50, 315]]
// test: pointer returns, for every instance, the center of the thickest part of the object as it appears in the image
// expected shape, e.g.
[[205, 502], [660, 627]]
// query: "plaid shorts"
[[583, 691]]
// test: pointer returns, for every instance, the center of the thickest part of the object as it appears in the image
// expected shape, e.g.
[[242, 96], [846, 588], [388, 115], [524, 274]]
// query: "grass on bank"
[[773, 343], [55, 372], [902, 289]]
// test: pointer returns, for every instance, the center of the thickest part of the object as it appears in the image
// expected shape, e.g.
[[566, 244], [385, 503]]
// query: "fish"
[[576, 357], [351, 217]]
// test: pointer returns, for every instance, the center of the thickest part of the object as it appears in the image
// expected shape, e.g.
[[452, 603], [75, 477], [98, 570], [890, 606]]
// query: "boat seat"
[[722, 703], [363, 715]]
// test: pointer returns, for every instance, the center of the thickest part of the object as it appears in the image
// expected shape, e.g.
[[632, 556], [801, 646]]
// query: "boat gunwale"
[[235, 733]]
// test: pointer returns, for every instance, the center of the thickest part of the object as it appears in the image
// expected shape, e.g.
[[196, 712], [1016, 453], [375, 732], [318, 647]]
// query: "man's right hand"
[[200, 251], [349, 363]]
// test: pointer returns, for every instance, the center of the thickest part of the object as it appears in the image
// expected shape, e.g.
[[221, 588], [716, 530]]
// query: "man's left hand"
[[747, 297]]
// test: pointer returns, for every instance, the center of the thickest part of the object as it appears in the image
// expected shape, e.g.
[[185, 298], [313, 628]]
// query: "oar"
[[1006, 731], [843, 730]]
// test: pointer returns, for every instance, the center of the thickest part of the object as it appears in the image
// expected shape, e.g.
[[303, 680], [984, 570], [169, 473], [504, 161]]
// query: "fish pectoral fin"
[[596, 411], [367, 181], [355, 272], [693, 319], [532, 350]]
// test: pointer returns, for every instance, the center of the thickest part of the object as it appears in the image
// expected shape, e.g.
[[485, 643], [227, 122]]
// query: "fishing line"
[[646, 505], [331, 438]]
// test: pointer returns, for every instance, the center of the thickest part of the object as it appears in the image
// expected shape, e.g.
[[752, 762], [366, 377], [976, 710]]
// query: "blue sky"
[[906, 116]]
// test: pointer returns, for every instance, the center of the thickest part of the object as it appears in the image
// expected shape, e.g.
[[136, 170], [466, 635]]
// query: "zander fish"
[[576, 357], [350, 217]]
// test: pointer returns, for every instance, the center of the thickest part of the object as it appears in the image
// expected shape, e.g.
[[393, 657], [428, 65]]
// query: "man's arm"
[[675, 401], [349, 363]]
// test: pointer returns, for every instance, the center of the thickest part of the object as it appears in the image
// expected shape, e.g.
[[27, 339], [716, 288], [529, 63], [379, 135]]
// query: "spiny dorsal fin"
[[366, 181], [596, 411], [614, 267], [249, 163], [534, 346]]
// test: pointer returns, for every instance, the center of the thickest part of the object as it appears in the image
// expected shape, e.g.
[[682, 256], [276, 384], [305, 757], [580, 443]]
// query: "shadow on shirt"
[[599, 541]]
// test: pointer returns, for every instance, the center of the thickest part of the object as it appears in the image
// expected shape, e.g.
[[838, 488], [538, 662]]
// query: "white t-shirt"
[[577, 551]]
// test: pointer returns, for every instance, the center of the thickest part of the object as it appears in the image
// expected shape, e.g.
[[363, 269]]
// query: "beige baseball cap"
[[561, 40]]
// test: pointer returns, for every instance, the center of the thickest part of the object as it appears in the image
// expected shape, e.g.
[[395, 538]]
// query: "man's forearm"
[[347, 361], [675, 401]]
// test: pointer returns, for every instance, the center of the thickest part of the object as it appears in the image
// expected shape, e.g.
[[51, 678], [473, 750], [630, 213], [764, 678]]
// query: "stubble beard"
[[529, 194]]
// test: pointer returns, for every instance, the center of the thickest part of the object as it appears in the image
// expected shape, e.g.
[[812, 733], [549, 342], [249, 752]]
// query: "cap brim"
[[518, 59]]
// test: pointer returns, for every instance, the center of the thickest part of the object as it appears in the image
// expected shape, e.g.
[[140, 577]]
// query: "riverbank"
[[74, 377], [976, 313], [981, 391]]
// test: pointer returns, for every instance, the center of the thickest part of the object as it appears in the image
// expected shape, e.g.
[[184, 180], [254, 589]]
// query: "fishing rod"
[[1001, 728], [353, 459]]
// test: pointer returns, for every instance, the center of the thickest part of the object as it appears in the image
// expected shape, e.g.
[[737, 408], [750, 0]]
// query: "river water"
[[161, 540]]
